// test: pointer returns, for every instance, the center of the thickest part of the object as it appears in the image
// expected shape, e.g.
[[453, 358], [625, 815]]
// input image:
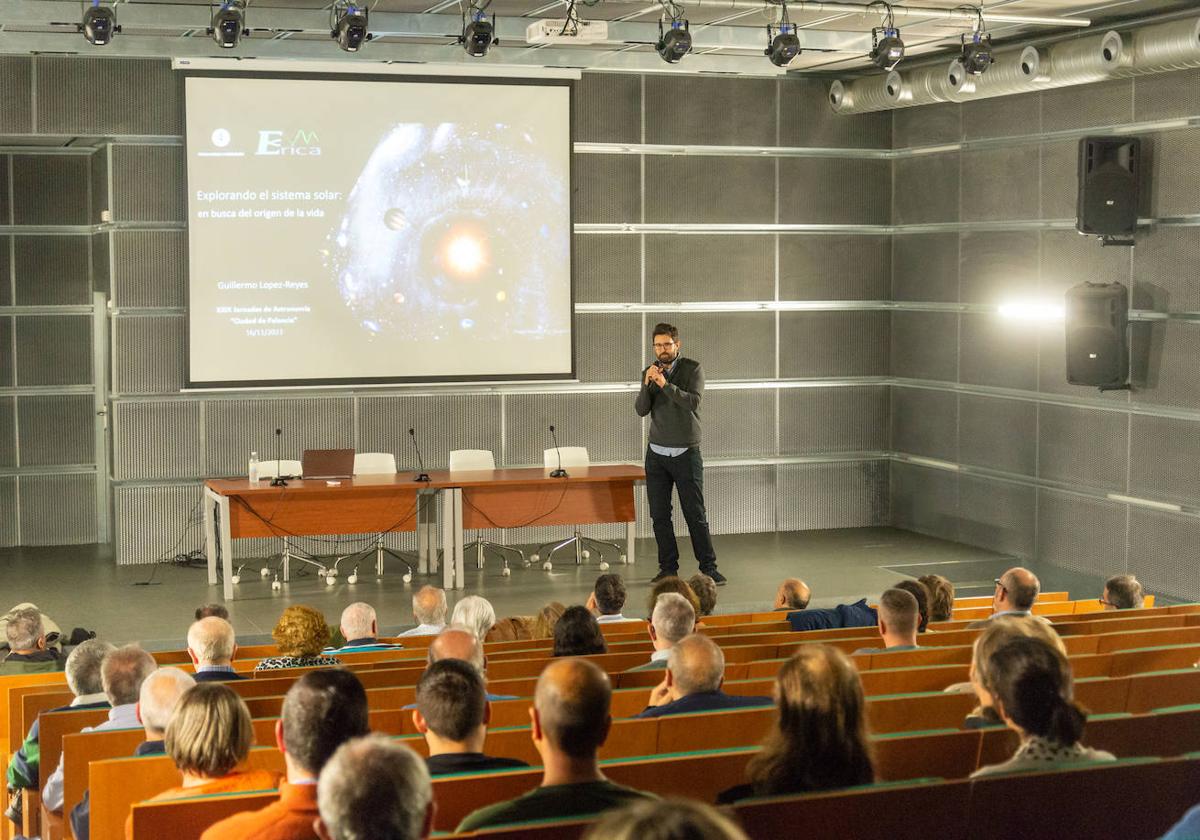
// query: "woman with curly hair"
[[300, 635]]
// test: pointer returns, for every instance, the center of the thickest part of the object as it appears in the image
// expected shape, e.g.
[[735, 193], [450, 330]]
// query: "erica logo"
[[301, 143]]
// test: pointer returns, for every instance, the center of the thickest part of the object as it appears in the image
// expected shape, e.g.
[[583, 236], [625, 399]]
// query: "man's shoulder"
[[274, 822], [554, 801]]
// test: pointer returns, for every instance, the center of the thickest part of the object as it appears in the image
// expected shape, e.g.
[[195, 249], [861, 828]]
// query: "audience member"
[[1187, 828], [545, 620], [608, 598], [994, 636], [361, 630], [322, 711], [1015, 594], [941, 597], [460, 643], [28, 650], [667, 819], [122, 673], [156, 702], [1122, 592], [858, 614], [695, 673], [819, 741], [1028, 683], [429, 611], [51, 630], [793, 594], [673, 619], [577, 633], [453, 714], [212, 610], [899, 618], [511, 629], [375, 789], [570, 722], [706, 591], [212, 646], [919, 591], [301, 634], [671, 584], [474, 613]]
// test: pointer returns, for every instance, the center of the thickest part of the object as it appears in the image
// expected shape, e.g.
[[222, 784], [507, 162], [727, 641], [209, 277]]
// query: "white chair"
[[476, 460], [371, 463], [288, 469], [568, 457]]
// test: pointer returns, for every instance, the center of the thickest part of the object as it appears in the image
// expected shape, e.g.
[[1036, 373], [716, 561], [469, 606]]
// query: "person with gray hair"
[[361, 630], [476, 613], [212, 645], [673, 619], [695, 674], [429, 610], [1122, 592], [374, 789], [28, 651]]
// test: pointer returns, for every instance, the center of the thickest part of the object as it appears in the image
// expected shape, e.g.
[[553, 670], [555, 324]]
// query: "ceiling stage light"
[[229, 24], [350, 26], [99, 24], [977, 54], [888, 50], [479, 35], [785, 46], [674, 43]]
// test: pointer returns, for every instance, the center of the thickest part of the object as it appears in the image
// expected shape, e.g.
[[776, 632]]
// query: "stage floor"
[[81, 586]]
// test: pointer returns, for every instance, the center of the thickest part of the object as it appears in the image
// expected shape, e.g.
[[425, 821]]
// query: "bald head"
[[159, 693], [1018, 589], [457, 643], [696, 664], [211, 641], [572, 702], [793, 594]]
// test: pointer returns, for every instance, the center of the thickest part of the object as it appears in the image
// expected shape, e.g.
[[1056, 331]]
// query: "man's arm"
[[688, 399], [645, 397], [52, 795]]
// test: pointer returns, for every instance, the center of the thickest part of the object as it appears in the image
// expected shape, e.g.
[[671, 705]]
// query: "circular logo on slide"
[[220, 138]]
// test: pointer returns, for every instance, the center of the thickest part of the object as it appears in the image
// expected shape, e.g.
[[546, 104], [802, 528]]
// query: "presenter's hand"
[[660, 694], [656, 376]]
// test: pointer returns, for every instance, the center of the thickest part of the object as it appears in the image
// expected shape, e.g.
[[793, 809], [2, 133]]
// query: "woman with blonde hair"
[[665, 819], [999, 632], [546, 619], [300, 634], [819, 741]]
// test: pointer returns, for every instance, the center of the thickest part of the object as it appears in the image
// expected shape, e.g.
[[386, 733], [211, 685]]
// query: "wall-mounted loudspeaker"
[[1097, 335], [1108, 188]]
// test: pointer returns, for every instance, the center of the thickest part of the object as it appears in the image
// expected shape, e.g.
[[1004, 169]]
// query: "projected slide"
[[345, 231]]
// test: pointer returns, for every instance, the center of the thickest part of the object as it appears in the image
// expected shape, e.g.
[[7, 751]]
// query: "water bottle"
[[253, 467]]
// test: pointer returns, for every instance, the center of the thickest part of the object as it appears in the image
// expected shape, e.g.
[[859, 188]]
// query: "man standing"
[[670, 394]]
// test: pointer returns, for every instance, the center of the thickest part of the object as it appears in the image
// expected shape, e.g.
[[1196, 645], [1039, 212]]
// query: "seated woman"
[[577, 633], [999, 632], [300, 635], [542, 626], [1028, 682], [819, 741], [209, 736]]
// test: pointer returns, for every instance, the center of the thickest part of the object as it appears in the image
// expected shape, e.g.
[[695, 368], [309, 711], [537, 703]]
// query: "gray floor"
[[80, 585]]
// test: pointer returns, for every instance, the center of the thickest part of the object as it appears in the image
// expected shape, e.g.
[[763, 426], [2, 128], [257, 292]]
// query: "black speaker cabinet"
[[1097, 335], [1108, 188]]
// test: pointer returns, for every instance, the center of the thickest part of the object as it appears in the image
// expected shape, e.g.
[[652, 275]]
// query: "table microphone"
[[278, 480], [560, 472], [422, 475]]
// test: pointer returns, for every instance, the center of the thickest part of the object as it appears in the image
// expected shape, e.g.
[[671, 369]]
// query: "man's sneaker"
[[717, 577], [663, 573]]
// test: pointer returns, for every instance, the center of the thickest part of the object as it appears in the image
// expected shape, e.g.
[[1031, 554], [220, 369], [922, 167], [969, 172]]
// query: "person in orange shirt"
[[209, 736], [323, 710]]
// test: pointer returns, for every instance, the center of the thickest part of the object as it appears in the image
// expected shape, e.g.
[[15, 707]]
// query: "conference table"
[[236, 508]]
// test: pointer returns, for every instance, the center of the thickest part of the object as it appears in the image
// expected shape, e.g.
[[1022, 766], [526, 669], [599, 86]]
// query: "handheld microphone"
[[422, 475], [278, 480], [560, 472]]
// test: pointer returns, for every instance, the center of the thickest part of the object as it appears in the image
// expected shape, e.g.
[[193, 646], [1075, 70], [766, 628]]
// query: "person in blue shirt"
[[1187, 828], [360, 630], [695, 674]]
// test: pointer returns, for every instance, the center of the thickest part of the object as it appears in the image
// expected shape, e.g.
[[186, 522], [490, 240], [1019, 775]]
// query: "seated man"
[[857, 614], [360, 630], [570, 722], [322, 711], [461, 643], [429, 610], [706, 590], [899, 617], [1122, 592], [607, 598], [374, 787], [673, 619], [921, 592], [212, 646], [695, 673], [156, 700], [29, 652], [1015, 594], [206, 610], [122, 674], [453, 714], [793, 594]]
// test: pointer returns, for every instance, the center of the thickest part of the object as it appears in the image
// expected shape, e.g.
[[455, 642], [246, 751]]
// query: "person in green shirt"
[[571, 719]]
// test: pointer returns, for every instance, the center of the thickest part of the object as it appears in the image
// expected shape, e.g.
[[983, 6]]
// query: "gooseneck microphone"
[[279, 480], [560, 472], [422, 475]]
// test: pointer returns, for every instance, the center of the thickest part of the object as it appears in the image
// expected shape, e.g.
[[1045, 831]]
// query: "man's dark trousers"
[[686, 473]]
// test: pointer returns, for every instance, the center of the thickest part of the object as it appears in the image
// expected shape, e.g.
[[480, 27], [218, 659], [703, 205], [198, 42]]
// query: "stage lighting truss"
[[977, 54], [99, 24], [782, 45], [675, 40], [349, 25], [229, 24], [888, 48], [478, 33]]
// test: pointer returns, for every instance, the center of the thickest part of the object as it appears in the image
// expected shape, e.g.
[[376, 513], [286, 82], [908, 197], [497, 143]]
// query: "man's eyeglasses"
[[1105, 602], [664, 346], [1001, 585]]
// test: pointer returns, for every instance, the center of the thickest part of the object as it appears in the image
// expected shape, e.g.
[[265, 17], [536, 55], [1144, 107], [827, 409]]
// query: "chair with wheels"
[[566, 457], [478, 460], [288, 469], [372, 463]]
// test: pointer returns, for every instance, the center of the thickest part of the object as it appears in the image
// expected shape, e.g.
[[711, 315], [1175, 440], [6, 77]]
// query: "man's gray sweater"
[[674, 409]]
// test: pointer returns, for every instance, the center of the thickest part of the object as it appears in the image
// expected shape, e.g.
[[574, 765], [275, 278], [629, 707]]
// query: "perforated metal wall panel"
[[1162, 463], [1163, 265], [736, 112], [691, 268], [1069, 259], [54, 349], [1082, 447], [738, 423], [998, 351], [1060, 179], [998, 434], [830, 191], [157, 440], [8, 432], [441, 423], [607, 188], [926, 189], [7, 362], [1001, 116], [101, 281], [997, 515], [608, 347], [849, 495], [98, 186], [739, 500], [1080, 534], [608, 108], [926, 126], [148, 182], [608, 268], [1003, 184], [1166, 96], [151, 520], [55, 429], [819, 421], [999, 265], [51, 270], [6, 290], [805, 119], [149, 355], [925, 267], [834, 267], [8, 510], [833, 343], [1105, 104], [701, 189], [150, 100], [924, 500], [1162, 552], [16, 96], [925, 345], [1175, 377], [728, 345], [50, 190], [57, 509], [925, 422], [233, 428], [151, 268], [605, 423], [1172, 157]]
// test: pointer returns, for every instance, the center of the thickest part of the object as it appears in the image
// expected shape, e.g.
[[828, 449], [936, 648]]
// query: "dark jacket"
[[857, 614], [704, 701], [217, 676], [674, 409], [38, 662]]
